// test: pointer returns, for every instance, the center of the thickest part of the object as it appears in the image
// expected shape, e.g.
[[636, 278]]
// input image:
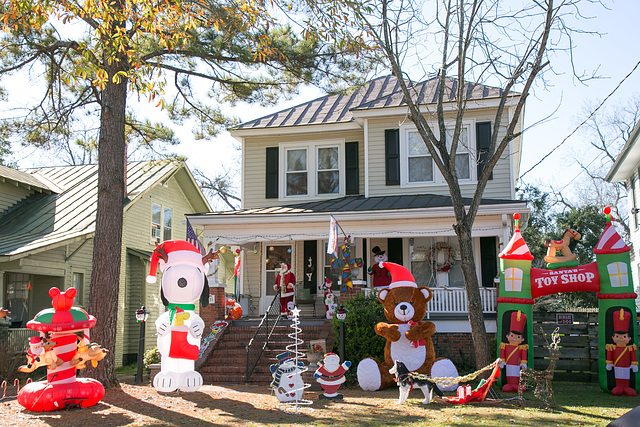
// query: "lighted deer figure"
[[541, 380], [562, 246]]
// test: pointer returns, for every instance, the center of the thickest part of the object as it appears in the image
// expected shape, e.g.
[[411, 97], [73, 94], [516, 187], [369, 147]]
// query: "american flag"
[[332, 246], [191, 238]]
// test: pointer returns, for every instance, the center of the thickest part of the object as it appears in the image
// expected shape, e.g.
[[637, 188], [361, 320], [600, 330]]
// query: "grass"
[[130, 369]]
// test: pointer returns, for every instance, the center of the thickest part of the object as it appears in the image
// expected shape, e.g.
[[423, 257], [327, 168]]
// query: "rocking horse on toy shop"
[[609, 275]]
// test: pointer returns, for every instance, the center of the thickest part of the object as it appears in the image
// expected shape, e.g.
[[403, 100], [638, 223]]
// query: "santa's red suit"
[[513, 355], [381, 276], [285, 282], [331, 380]]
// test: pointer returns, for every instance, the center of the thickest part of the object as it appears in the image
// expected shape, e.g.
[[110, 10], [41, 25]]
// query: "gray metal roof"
[[47, 219], [24, 178], [358, 204], [383, 92]]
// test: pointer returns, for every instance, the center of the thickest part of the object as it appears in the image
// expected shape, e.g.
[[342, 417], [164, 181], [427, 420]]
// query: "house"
[[626, 169], [47, 225], [359, 158]]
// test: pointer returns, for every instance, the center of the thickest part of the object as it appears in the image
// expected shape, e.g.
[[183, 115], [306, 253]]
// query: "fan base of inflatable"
[[43, 396]]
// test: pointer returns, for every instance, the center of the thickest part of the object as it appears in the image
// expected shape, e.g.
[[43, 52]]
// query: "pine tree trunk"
[[474, 303], [105, 273]]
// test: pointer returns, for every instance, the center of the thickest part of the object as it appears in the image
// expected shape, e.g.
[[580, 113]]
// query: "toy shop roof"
[[359, 204]]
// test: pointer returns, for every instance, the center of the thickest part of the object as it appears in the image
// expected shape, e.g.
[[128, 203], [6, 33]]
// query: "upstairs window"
[[312, 169], [161, 223], [418, 167]]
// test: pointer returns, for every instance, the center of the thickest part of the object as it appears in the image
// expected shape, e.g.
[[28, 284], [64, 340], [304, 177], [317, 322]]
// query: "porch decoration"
[[233, 310], [179, 330], [287, 383], [326, 290], [346, 263], [434, 253], [330, 376], [58, 344], [381, 276], [609, 275], [285, 284], [408, 336]]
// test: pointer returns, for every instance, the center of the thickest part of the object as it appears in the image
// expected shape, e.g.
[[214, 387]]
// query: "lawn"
[[578, 404]]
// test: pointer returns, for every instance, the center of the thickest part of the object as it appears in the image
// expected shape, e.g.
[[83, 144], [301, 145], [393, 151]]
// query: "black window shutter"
[[488, 260], [483, 141], [392, 156], [271, 178], [352, 174]]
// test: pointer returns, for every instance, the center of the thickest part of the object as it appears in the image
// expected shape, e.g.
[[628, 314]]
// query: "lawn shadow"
[[69, 417], [121, 399]]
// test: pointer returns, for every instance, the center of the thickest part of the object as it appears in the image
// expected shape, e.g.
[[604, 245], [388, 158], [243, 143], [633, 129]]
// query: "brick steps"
[[227, 362]]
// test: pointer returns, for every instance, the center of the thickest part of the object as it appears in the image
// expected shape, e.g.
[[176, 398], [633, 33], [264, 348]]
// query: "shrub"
[[151, 356], [361, 340]]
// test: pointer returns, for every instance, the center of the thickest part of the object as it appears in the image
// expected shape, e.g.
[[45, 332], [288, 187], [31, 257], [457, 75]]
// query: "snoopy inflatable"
[[184, 282]]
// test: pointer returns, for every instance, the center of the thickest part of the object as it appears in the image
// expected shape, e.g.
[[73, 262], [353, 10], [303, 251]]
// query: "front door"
[[274, 255]]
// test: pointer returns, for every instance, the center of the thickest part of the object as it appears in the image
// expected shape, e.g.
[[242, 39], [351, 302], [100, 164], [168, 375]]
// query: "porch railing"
[[18, 338], [454, 301], [261, 338]]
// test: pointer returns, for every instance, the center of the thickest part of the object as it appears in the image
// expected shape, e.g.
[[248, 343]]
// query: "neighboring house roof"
[[358, 204], [24, 179], [41, 221], [383, 92], [628, 160]]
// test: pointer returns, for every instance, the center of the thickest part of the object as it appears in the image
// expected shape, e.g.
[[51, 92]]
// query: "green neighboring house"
[[47, 226]]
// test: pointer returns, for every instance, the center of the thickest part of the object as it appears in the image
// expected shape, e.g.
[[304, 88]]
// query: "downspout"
[[366, 158]]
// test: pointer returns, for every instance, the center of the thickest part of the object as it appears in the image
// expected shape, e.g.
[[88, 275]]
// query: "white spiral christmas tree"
[[287, 373]]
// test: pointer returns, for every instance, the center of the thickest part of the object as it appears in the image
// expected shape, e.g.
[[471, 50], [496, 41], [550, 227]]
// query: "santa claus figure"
[[622, 356], [381, 276], [285, 284], [330, 376], [513, 354]]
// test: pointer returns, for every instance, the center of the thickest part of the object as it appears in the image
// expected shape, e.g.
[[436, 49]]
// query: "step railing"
[[260, 340]]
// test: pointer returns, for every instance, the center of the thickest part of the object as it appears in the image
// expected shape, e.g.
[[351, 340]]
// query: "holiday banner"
[[575, 279]]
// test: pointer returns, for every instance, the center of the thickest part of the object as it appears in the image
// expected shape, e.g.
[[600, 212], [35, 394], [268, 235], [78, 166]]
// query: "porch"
[[446, 301]]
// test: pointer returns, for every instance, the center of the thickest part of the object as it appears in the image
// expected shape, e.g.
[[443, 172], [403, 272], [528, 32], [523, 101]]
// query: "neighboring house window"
[[17, 297], [513, 280], [618, 274], [161, 223], [78, 284], [418, 167], [313, 169]]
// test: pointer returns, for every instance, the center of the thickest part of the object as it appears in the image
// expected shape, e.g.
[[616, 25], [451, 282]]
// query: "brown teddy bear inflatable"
[[408, 337]]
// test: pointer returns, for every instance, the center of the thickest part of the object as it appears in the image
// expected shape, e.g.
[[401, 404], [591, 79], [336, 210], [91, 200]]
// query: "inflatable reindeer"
[[179, 330]]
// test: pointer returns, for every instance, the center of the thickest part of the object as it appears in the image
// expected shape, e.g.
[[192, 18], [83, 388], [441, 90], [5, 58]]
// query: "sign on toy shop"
[[580, 278]]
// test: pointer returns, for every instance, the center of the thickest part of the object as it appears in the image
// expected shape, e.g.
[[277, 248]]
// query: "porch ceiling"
[[359, 216]]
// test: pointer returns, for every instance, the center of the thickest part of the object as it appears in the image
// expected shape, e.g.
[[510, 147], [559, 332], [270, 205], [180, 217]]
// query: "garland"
[[432, 256], [448, 381]]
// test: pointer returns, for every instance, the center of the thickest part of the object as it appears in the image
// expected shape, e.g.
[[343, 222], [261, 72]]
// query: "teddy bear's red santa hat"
[[178, 252], [400, 276]]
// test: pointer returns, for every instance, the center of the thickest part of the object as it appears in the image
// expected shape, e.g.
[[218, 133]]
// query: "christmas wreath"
[[432, 256]]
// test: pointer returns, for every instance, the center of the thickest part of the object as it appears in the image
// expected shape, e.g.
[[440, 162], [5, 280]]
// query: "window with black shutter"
[[483, 141], [352, 172], [392, 156], [271, 178]]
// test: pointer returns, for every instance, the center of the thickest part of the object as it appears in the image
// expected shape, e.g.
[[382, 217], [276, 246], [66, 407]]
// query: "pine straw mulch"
[[255, 405]]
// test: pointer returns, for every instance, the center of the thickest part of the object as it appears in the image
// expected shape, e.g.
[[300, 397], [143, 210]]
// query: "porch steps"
[[227, 362]]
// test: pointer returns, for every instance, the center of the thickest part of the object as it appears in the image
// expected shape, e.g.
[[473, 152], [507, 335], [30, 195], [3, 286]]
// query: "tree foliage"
[[503, 43]]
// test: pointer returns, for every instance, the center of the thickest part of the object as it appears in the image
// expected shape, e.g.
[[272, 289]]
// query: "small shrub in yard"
[[361, 340], [151, 356]]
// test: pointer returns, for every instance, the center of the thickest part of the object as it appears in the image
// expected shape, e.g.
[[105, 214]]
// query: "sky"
[[613, 54]]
